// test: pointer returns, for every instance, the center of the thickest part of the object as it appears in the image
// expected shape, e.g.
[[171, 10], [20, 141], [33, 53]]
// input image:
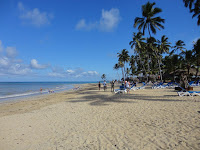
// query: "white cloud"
[[4, 62], [86, 26], [56, 74], [72, 73], [11, 52], [108, 21], [8, 66], [34, 64], [34, 17], [1, 47], [92, 73], [81, 24]]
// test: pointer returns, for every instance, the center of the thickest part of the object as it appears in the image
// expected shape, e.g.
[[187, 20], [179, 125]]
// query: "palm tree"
[[188, 60], [178, 46], [103, 76], [127, 72], [137, 41], [139, 46], [196, 51], [149, 20], [163, 47], [172, 63], [123, 58], [194, 6], [121, 65], [132, 64], [116, 67]]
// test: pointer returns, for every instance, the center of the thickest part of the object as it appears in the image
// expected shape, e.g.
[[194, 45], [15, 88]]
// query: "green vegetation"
[[103, 76], [194, 6], [157, 57]]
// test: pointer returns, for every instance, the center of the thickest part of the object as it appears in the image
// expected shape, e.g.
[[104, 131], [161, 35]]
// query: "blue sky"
[[76, 40]]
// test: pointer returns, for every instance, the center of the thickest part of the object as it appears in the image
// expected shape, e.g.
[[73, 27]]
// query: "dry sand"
[[91, 119]]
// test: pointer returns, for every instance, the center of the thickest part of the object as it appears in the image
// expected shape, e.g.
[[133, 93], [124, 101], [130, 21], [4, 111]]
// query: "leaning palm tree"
[[148, 19], [123, 57]]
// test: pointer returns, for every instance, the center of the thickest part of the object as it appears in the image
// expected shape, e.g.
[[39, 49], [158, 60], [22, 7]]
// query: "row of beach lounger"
[[181, 93], [173, 85]]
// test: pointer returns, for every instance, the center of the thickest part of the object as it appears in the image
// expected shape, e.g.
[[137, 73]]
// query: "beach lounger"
[[194, 93], [184, 92], [133, 87], [118, 91], [157, 86], [122, 89], [142, 87], [169, 84]]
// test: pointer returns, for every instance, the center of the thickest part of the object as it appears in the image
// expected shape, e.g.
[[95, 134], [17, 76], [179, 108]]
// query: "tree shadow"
[[101, 100]]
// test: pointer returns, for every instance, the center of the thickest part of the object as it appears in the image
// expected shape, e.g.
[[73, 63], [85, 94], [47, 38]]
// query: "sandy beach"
[[91, 119]]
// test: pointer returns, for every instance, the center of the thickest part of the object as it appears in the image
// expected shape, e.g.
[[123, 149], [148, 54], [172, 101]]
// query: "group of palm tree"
[[149, 52]]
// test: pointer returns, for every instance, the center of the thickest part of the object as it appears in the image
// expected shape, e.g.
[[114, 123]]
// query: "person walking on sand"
[[99, 86], [104, 85], [112, 85]]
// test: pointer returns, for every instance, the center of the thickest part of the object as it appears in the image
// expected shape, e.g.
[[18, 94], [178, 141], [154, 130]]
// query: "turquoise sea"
[[13, 90]]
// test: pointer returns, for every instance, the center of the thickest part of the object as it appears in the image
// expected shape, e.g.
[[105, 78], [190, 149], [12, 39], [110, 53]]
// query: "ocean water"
[[13, 90]]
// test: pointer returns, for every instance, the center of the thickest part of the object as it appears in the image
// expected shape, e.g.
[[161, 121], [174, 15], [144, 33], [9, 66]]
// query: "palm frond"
[[153, 29], [156, 11], [137, 21]]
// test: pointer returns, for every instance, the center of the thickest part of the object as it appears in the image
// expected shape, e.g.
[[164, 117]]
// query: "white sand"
[[89, 119]]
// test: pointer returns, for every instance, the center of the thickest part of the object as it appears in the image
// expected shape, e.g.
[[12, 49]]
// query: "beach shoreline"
[[91, 119], [8, 105]]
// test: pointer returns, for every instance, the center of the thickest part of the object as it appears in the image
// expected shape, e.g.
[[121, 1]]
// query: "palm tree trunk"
[[122, 73], [143, 67], [197, 71], [160, 71], [159, 61], [118, 75], [188, 68], [174, 75], [149, 31]]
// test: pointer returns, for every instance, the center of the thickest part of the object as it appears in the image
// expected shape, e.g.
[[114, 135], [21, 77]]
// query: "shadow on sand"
[[100, 98]]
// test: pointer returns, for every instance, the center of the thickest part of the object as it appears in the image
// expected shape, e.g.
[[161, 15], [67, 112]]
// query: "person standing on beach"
[[127, 86], [99, 85], [112, 85], [40, 90], [104, 85]]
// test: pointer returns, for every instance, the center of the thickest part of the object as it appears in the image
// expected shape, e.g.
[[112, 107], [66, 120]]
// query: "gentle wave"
[[18, 95], [35, 93]]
